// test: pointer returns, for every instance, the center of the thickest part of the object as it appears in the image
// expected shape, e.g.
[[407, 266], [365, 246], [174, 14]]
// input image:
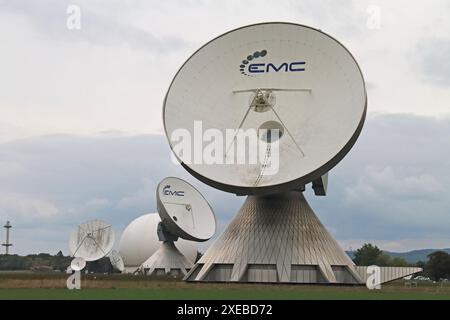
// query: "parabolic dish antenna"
[[78, 264], [270, 76], [92, 240], [116, 261], [306, 86], [184, 211]]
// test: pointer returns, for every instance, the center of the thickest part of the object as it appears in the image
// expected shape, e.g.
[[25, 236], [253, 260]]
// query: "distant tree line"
[[35, 261], [437, 267], [47, 262]]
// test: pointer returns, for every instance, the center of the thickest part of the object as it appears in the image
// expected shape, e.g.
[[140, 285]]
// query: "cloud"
[[9, 168], [394, 184], [98, 203], [113, 73], [139, 198], [376, 184], [50, 16], [431, 61], [23, 207], [345, 18]]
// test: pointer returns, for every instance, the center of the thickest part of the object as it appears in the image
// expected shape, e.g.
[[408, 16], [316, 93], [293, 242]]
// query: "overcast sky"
[[81, 125]]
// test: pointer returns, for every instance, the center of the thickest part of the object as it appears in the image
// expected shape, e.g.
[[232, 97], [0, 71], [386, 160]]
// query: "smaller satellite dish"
[[92, 240], [116, 260], [184, 211], [78, 264]]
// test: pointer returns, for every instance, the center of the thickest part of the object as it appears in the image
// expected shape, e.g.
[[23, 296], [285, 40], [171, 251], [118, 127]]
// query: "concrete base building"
[[278, 238], [167, 260]]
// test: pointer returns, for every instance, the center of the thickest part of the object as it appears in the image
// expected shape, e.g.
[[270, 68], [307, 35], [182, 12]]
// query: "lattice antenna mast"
[[7, 244]]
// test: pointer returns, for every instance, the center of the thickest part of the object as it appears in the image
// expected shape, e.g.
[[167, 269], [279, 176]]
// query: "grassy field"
[[52, 286]]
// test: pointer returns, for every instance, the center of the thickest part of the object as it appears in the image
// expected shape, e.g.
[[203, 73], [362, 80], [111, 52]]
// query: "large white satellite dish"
[[306, 85], [279, 76], [184, 211], [92, 240]]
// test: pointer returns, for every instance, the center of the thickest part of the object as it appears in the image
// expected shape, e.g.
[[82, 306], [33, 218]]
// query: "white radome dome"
[[139, 241]]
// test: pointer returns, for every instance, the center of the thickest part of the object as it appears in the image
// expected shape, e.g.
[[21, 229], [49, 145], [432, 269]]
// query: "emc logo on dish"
[[285, 66], [168, 192], [247, 68]]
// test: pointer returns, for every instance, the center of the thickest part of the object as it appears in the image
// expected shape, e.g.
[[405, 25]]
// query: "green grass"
[[52, 286], [212, 294]]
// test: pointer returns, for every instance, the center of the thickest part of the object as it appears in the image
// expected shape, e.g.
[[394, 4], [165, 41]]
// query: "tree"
[[383, 260], [438, 265], [421, 264], [398, 262], [14, 262], [367, 255]]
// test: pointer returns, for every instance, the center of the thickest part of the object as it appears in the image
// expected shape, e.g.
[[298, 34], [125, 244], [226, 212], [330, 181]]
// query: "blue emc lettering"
[[270, 67], [168, 192]]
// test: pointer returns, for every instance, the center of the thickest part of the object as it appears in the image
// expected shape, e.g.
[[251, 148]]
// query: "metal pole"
[[7, 226], [7, 240]]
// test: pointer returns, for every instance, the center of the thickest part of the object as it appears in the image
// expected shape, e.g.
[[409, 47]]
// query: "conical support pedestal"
[[167, 260], [275, 238]]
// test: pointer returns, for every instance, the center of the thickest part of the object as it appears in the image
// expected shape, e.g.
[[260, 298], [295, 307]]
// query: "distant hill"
[[410, 256]]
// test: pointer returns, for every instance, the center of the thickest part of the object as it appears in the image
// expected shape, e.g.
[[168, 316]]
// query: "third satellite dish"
[[92, 240], [282, 76], [184, 211], [116, 261]]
